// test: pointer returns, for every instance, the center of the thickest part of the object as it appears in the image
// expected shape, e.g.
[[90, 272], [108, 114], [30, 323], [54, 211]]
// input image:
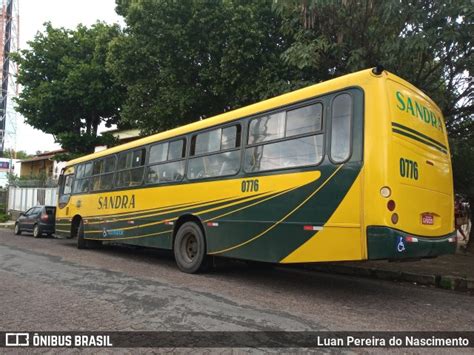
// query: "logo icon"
[[400, 245], [17, 339]]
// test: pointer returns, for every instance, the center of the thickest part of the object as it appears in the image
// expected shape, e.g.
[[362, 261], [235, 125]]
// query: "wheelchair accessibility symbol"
[[400, 245]]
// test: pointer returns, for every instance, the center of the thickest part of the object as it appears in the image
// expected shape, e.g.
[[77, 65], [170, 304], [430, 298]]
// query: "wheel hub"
[[189, 247]]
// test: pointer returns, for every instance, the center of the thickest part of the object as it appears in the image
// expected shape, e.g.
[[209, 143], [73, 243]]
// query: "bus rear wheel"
[[190, 248]]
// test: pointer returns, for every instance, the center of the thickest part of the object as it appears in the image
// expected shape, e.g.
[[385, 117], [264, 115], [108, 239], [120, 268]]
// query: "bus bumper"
[[393, 244]]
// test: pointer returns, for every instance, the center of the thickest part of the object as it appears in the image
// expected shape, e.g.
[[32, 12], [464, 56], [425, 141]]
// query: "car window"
[[28, 212], [34, 211]]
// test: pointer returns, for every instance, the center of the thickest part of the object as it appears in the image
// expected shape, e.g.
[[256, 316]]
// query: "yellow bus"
[[354, 168]]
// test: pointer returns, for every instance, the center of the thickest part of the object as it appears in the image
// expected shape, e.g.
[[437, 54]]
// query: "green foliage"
[[186, 60], [27, 180], [4, 217], [67, 91], [463, 157], [429, 43], [16, 155], [12, 179]]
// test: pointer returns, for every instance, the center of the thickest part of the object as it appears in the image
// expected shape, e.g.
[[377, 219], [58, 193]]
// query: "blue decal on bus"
[[400, 245]]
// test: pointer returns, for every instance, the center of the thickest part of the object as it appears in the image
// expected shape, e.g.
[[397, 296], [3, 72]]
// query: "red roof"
[[43, 156]]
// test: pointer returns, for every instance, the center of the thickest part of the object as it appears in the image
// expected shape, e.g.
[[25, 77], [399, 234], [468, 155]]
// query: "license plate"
[[427, 219]]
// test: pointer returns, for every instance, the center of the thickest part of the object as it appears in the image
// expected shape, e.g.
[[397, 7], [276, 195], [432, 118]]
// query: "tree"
[[21, 154], [186, 60], [67, 91], [462, 150], [427, 42]]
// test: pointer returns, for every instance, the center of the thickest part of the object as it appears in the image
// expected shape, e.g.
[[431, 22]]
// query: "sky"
[[61, 13]]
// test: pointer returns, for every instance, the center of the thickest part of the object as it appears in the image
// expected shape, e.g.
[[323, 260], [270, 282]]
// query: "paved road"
[[47, 284]]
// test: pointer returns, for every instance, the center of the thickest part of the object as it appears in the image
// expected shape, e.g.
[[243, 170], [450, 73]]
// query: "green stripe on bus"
[[421, 135], [409, 135]]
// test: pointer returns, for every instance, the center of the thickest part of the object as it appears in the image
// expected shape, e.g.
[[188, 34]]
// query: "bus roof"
[[352, 79]]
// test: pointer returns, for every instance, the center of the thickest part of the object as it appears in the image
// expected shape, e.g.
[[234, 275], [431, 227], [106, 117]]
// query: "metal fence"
[[22, 198]]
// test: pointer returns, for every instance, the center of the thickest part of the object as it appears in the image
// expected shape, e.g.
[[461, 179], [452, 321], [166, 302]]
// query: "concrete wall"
[[23, 198]]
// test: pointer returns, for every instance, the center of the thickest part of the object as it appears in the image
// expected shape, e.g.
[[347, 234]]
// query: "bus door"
[[65, 190]]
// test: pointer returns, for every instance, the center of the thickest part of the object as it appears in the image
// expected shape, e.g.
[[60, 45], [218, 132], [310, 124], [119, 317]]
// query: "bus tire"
[[83, 243], [190, 248]]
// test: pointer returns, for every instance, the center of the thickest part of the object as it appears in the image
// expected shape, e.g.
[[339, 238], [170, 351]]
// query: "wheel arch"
[[75, 224], [188, 217]]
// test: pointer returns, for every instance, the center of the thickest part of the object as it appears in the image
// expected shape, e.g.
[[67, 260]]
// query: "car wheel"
[[36, 231], [17, 229], [190, 248]]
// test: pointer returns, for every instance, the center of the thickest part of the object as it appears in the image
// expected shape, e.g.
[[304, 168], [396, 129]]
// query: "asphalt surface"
[[49, 285], [119, 288]]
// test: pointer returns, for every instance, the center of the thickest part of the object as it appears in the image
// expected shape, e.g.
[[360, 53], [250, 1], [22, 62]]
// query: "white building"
[[8, 165]]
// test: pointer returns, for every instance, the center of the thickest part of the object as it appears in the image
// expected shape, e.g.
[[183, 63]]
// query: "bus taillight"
[[391, 205], [394, 218]]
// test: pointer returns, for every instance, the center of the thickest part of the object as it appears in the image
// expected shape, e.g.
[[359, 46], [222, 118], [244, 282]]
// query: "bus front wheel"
[[190, 248], [82, 243]]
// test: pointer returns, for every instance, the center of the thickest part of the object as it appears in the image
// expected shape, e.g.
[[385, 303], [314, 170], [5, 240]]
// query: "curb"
[[7, 225], [447, 282]]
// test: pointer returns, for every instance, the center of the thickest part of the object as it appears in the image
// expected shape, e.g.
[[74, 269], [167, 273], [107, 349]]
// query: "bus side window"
[[303, 120], [222, 155], [103, 173], [341, 121], [267, 128], [131, 168], [300, 139], [166, 162], [81, 186], [176, 150]]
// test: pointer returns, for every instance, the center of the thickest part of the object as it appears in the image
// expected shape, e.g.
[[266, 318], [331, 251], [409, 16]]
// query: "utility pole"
[[9, 42]]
